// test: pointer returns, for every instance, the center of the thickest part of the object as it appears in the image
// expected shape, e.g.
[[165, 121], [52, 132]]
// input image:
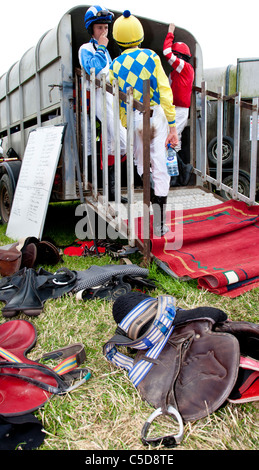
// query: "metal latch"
[[52, 88]]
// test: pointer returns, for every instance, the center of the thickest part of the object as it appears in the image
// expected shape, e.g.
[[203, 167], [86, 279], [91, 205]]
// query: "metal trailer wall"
[[244, 78], [38, 90]]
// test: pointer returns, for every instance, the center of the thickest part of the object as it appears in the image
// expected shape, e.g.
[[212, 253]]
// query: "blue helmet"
[[97, 14]]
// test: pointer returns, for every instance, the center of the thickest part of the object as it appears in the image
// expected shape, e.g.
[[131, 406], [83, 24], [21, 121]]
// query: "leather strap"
[[61, 387]]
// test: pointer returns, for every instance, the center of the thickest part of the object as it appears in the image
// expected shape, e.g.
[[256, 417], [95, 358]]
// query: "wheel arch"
[[12, 169]]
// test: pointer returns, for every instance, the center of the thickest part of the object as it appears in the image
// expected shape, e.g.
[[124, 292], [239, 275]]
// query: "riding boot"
[[111, 176], [159, 215]]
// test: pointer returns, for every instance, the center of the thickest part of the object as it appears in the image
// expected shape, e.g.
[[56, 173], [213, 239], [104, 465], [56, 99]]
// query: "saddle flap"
[[208, 371], [195, 372], [160, 379]]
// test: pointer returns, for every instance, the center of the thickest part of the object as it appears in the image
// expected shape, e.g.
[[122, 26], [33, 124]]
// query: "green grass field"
[[107, 413]]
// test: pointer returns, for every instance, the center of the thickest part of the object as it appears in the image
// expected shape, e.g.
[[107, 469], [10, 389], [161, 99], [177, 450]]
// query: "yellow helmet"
[[127, 30]]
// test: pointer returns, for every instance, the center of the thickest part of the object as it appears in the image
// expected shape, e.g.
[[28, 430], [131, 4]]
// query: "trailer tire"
[[243, 184], [6, 198], [227, 147]]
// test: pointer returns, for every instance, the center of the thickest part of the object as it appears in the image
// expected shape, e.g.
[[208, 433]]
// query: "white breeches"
[[110, 124], [181, 119], [158, 132]]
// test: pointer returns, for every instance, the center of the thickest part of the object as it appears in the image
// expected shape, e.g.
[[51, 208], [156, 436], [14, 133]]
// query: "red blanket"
[[220, 247]]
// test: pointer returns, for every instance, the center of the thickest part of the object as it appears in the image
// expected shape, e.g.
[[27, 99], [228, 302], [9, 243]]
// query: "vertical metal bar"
[[116, 107], [130, 168], [193, 117], [93, 131], [84, 120], [253, 165], [37, 82], [8, 109], [146, 170], [219, 137], [21, 106], [104, 141], [203, 130], [76, 155], [78, 115], [236, 145]]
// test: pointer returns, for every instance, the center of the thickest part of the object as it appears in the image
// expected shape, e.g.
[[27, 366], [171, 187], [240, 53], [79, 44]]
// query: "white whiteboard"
[[34, 186]]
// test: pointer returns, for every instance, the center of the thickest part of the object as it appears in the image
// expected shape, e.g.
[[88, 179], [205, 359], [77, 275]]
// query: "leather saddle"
[[186, 363], [195, 372]]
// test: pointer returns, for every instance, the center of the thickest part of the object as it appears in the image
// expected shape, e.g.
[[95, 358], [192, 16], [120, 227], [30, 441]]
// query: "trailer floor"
[[190, 197]]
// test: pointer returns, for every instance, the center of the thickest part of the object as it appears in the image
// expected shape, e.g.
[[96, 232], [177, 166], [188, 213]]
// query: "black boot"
[[159, 211], [111, 176]]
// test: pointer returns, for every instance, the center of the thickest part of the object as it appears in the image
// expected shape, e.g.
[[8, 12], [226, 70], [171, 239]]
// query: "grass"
[[107, 413]]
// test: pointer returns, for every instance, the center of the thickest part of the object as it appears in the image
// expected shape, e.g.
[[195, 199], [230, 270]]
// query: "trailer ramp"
[[191, 197]]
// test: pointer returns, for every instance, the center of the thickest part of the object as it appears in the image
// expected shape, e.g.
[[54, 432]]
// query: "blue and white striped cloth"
[[153, 340]]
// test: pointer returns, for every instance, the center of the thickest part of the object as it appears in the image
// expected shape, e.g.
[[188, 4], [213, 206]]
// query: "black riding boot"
[[111, 176], [159, 212]]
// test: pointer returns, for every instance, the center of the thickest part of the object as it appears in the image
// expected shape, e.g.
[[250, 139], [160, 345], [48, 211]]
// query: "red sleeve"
[[168, 42], [167, 51]]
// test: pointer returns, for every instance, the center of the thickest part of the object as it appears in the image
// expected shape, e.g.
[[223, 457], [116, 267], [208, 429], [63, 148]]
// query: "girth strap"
[[162, 310]]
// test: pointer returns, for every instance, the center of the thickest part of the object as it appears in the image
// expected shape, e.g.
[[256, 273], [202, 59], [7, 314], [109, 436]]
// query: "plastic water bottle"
[[171, 161]]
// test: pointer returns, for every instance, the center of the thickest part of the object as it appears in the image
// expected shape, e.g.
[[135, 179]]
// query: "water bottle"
[[171, 161]]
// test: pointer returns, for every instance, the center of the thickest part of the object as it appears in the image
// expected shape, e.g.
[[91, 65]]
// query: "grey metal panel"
[[49, 96], [13, 78], [27, 65], [14, 106], [3, 86], [48, 48], [3, 121], [247, 77], [29, 98]]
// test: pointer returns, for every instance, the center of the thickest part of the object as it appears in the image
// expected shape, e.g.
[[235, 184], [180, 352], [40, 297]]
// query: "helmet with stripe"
[[97, 14]]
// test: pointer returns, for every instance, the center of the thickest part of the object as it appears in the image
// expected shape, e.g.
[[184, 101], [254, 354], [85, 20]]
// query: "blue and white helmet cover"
[[98, 14]]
